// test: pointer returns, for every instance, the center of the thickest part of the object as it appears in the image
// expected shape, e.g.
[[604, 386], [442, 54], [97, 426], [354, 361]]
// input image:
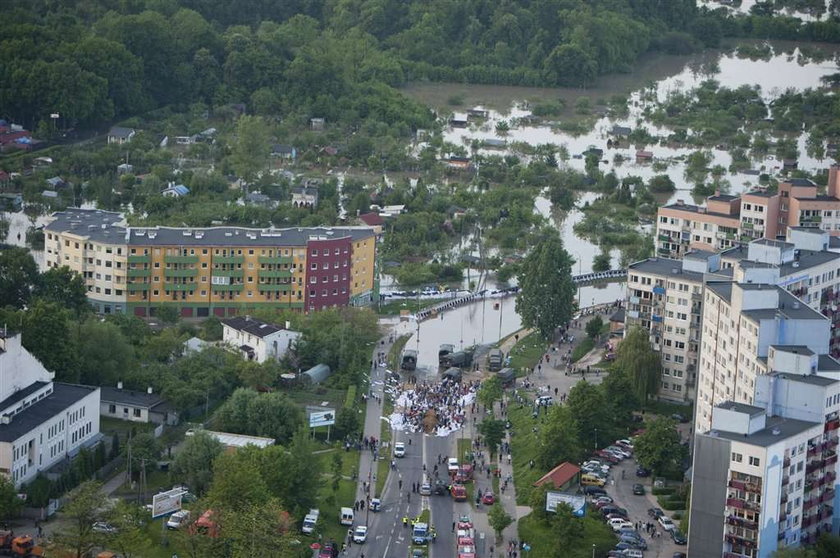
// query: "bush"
[[663, 491], [583, 347]]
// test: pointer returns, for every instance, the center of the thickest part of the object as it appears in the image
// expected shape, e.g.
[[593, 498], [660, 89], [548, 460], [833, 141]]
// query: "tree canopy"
[[640, 362]]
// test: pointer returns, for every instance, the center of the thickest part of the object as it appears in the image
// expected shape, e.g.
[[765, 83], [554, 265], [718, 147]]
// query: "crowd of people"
[[437, 408]]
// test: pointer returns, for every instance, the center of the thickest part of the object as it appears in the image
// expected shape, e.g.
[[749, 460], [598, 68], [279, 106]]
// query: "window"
[[137, 413], [754, 461], [112, 409], [737, 457]]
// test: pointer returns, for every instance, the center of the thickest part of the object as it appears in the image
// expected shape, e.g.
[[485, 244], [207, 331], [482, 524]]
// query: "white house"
[[42, 422], [258, 340], [136, 406], [120, 135]]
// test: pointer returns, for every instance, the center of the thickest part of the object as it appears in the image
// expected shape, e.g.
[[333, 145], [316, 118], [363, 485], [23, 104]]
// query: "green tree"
[[85, 506], [547, 297], [260, 414], [536, 500], [10, 504], [587, 405], [493, 431], [237, 483], [659, 447], [566, 529], [18, 277], [558, 438], [130, 538], [618, 392], [347, 422], [640, 362], [103, 354], [490, 391], [251, 148], [45, 335], [601, 262], [167, 314], [260, 530], [594, 327], [65, 287], [194, 461], [498, 519]]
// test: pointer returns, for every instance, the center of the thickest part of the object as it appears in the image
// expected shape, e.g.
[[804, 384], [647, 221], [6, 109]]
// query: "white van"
[[310, 520], [346, 516]]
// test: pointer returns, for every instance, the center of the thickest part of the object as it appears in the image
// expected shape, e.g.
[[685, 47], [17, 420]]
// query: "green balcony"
[[283, 273], [275, 259], [226, 288], [273, 288], [180, 272], [228, 273], [180, 287], [228, 259], [138, 272], [139, 258], [180, 259], [138, 287], [747, 226]]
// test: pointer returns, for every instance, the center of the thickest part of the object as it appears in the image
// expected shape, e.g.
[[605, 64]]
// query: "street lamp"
[[593, 550]]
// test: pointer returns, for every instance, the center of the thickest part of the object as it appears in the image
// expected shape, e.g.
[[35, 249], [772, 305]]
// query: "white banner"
[[323, 417], [577, 503], [165, 503]]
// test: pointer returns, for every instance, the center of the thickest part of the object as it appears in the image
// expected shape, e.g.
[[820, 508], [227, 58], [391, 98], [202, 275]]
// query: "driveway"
[[621, 490]]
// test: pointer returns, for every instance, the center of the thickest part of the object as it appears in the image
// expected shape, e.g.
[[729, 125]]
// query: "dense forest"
[[97, 61]]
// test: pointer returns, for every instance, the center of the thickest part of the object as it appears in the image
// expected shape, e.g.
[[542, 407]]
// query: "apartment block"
[[664, 297], [765, 475], [42, 422], [221, 271], [727, 221]]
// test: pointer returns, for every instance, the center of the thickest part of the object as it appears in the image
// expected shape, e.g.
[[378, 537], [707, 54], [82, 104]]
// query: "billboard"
[[167, 502], [577, 503], [321, 417]]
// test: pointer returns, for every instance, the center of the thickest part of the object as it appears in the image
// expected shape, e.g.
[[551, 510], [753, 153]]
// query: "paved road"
[[637, 507]]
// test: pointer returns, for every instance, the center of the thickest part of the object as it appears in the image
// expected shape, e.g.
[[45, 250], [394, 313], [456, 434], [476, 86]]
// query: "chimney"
[[717, 191], [119, 385], [834, 181], [288, 324], [149, 390]]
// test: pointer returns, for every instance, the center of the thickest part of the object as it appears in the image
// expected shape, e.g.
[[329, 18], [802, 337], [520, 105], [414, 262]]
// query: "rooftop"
[[799, 182], [129, 397], [775, 243], [760, 193], [751, 410], [108, 227], [560, 475], [62, 397], [252, 326], [700, 210], [666, 266], [776, 430], [721, 288], [795, 349], [20, 394], [120, 132], [812, 379], [790, 308], [722, 197], [827, 363], [698, 254]]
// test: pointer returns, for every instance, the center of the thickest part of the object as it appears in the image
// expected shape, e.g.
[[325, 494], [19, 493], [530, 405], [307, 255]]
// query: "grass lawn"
[[524, 447], [411, 304], [156, 481], [383, 465], [665, 409], [110, 426], [543, 540], [527, 352], [582, 348], [395, 352], [330, 502]]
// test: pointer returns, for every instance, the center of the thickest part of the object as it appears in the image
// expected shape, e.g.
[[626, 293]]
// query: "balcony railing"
[[180, 287], [228, 273], [138, 286], [180, 272], [288, 259], [272, 288], [228, 259], [223, 288], [179, 259], [138, 272], [275, 273], [139, 258], [741, 522]]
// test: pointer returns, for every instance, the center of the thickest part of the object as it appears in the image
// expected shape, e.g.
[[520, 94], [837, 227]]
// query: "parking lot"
[[621, 490]]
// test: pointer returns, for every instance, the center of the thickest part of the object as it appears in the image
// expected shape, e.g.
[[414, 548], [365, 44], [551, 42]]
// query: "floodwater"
[[746, 5], [19, 223]]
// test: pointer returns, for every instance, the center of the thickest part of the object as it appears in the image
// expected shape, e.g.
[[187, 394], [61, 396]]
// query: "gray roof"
[[665, 266], [796, 349], [751, 410], [721, 288], [768, 435], [62, 397], [807, 259], [696, 209], [618, 316], [120, 132], [806, 379], [698, 254], [774, 243], [790, 308], [100, 226], [811, 230], [129, 397], [21, 393], [252, 326], [760, 193], [827, 363], [722, 197]]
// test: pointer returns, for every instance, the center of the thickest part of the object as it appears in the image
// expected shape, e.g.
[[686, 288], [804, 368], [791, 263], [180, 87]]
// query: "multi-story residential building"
[[665, 298], [42, 422], [217, 271], [740, 323], [726, 220], [765, 475]]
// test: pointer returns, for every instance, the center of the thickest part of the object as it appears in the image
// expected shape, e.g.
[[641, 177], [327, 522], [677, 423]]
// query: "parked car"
[[399, 449], [619, 523], [594, 490], [178, 519], [103, 527], [666, 523], [616, 515], [624, 442], [655, 513], [425, 489], [452, 465], [637, 543], [638, 490], [603, 499], [360, 534], [680, 555], [375, 505], [680, 417], [679, 537], [621, 452], [633, 553], [642, 472]]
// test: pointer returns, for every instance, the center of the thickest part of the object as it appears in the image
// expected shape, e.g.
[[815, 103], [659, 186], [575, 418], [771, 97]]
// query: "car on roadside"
[[635, 542], [630, 532], [619, 523], [625, 453], [625, 443], [638, 489], [425, 489], [603, 499], [360, 534], [666, 523], [642, 472], [594, 491], [399, 449], [680, 418], [612, 508], [679, 555], [633, 553], [375, 505], [178, 519], [655, 513], [103, 528], [452, 465], [603, 503], [679, 537]]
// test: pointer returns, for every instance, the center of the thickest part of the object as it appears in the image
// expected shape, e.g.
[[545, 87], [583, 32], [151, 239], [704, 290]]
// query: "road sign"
[[165, 503], [577, 503]]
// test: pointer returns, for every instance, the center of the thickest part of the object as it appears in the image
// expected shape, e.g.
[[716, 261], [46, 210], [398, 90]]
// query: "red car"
[[488, 499], [464, 474], [459, 493], [464, 522]]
